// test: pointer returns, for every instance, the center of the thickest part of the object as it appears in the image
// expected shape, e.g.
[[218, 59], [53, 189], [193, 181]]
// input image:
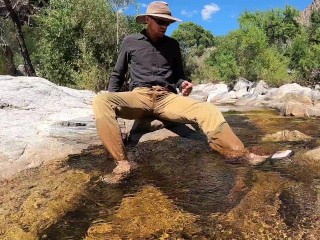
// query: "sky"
[[218, 16]]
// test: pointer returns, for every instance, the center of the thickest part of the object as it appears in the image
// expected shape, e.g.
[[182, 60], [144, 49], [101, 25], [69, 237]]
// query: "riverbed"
[[180, 190]]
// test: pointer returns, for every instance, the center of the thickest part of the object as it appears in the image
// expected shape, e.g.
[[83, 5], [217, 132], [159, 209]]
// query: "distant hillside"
[[305, 15]]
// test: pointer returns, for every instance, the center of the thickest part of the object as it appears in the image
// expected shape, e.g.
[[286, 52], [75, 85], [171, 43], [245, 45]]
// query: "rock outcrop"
[[306, 14], [41, 121], [289, 99]]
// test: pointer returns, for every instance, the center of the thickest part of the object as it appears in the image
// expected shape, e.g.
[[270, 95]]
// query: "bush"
[[77, 44], [272, 67]]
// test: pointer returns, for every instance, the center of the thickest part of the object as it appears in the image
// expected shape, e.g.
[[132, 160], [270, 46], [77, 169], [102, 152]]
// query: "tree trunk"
[[23, 48]]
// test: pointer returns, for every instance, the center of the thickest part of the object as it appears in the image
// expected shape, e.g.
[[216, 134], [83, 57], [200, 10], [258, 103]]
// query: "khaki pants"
[[158, 102]]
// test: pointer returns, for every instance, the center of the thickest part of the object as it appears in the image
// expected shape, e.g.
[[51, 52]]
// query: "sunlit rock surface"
[[286, 135], [41, 121], [289, 99]]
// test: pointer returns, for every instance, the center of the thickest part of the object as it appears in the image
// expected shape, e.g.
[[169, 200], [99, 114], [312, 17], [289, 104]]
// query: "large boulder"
[[260, 87], [41, 121], [242, 85], [289, 92]]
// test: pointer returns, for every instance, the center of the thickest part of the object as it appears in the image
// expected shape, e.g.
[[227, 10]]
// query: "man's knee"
[[101, 98], [209, 108], [207, 112]]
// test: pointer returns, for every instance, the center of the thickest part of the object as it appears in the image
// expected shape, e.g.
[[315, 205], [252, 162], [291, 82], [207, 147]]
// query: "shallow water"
[[183, 190]]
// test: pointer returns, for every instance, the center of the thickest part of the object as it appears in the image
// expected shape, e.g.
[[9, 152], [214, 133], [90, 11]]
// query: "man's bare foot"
[[120, 172], [254, 159], [123, 167]]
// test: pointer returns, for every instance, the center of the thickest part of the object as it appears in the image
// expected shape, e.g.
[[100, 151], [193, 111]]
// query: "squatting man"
[[156, 72]]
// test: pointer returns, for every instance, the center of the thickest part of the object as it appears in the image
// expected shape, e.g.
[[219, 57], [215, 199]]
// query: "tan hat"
[[157, 9]]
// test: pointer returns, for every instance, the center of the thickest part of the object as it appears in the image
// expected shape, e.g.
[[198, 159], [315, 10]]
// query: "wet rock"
[[314, 154], [138, 217], [41, 121], [293, 108], [286, 135]]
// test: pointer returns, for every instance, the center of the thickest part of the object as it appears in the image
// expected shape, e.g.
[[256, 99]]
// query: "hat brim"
[[142, 18]]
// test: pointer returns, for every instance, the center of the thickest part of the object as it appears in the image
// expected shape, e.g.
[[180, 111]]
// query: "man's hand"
[[186, 88]]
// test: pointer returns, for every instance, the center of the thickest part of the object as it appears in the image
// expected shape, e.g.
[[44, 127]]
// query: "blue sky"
[[219, 16]]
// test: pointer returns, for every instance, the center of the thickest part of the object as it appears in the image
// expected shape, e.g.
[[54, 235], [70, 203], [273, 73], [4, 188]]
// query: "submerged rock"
[[286, 135], [138, 217], [314, 154]]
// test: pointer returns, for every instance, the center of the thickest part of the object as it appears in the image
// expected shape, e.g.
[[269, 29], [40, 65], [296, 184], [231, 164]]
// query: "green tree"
[[191, 35], [314, 28], [77, 43], [280, 26]]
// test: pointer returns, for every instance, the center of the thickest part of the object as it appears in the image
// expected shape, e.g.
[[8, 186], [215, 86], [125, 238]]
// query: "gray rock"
[[251, 100], [199, 95], [212, 88], [21, 71], [293, 108], [242, 85], [289, 92], [315, 97], [260, 88], [41, 121], [313, 111], [216, 92]]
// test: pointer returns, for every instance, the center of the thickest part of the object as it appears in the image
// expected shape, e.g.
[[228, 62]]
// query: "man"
[[156, 72]]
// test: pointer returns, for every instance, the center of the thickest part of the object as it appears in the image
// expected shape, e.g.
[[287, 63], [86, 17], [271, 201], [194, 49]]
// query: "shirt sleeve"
[[117, 77], [178, 71]]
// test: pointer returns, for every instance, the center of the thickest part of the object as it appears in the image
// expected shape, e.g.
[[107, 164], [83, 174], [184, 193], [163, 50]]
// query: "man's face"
[[157, 26]]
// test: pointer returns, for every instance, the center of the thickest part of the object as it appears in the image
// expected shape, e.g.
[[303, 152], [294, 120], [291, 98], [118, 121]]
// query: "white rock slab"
[[40, 122]]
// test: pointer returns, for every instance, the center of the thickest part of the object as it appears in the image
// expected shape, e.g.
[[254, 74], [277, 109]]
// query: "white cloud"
[[189, 13], [208, 10], [143, 5]]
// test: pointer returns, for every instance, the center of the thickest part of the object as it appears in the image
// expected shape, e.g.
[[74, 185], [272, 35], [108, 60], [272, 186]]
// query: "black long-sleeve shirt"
[[151, 63]]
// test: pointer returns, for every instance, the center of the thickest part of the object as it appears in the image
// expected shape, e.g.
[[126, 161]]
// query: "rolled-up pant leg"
[[108, 106], [220, 136]]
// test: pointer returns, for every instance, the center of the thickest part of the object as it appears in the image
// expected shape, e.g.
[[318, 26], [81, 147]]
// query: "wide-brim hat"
[[157, 9]]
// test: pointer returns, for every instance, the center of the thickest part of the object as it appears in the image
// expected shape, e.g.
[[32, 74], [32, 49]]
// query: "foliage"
[[77, 43], [279, 25], [191, 35], [268, 46], [314, 29], [194, 40]]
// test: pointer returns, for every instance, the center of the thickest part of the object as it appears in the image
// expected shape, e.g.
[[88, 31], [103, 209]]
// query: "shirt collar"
[[142, 35]]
